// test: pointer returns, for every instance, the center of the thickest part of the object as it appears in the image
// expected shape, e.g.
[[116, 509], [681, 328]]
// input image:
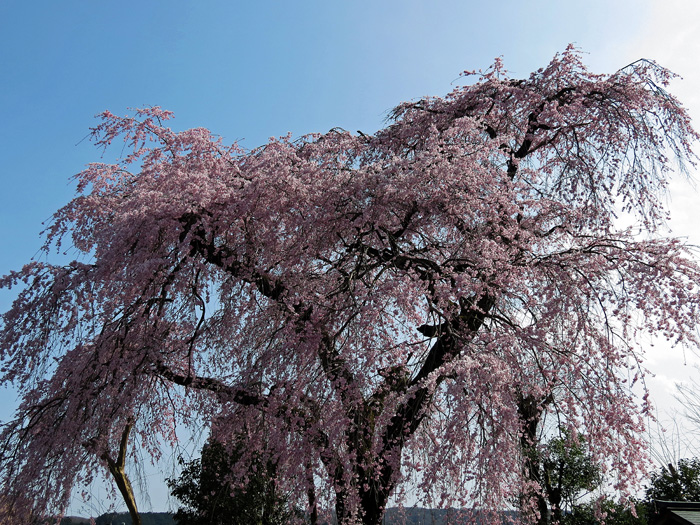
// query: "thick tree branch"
[[224, 258], [223, 391], [411, 412]]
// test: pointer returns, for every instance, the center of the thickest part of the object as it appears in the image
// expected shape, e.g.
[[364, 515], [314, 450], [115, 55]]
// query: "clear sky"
[[251, 70]]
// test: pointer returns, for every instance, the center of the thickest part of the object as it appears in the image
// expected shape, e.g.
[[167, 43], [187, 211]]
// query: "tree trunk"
[[374, 507], [311, 494], [373, 500], [530, 410], [116, 468]]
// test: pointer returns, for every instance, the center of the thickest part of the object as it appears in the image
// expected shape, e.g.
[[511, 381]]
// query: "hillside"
[[394, 516]]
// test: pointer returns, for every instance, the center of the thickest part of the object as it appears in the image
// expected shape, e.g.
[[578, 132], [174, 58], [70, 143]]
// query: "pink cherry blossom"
[[381, 313]]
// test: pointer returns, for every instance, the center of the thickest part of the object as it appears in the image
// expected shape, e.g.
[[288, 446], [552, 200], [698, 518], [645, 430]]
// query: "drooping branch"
[[303, 417]]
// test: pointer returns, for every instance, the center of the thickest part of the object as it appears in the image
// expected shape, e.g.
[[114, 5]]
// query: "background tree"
[[609, 512], [210, 497], [378, 299], [562, 469], [569, 473], [679, 482]]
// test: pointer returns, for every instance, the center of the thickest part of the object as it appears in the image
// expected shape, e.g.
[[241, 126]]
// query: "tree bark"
[[116, 468], [530, 410], [311, 494]]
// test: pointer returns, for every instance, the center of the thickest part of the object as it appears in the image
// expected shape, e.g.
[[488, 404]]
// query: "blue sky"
[[247, 71], [251, 70]]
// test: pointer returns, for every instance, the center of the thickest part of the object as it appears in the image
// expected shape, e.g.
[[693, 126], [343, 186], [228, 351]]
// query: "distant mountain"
[[422, 516], [394, 516], [119, 518], [73, 520]]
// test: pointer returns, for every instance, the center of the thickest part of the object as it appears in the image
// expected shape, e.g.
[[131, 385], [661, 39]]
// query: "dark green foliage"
[[676, 483], [568, 473], [671, 483], [615, 514], [209, 498]]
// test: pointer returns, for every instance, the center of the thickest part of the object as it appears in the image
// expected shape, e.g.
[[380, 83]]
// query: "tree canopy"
[[402, 308], [680, 482]]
